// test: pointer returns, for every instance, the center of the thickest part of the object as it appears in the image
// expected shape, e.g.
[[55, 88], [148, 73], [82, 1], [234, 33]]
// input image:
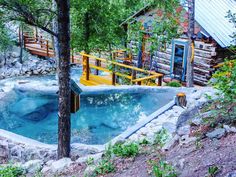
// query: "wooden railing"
[[43, 47], [38, 45], [135, 75], [122, 55]]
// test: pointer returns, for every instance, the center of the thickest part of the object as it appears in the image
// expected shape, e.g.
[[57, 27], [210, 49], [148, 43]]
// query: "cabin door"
[[179, 59]]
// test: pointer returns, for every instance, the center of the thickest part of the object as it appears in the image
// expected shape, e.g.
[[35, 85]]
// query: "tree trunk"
[[55, 29], [21, 43], [190, 62], [86, 32], [64, 124]]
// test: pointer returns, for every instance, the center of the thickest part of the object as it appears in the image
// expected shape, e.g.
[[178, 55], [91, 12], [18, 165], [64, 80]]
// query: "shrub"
[[104, 167], [90, 161], [125, 150], [11, 171], [161, 137], [174, 84], [163, 169], [212, 171], [225, 81]]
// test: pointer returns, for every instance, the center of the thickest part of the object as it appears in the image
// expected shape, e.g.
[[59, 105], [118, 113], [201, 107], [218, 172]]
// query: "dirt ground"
[[189, 160]]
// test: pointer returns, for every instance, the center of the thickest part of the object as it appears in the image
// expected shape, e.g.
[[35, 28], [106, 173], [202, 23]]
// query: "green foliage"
[[108, 152], [90, 161], [96, 24], [225, 81], [125, 150], [11, 171], [144, 142], [163, 169], [104, 167], [165, 27], [198, 143], [174, 84], [161, 137], [212, 171], [5, 40]]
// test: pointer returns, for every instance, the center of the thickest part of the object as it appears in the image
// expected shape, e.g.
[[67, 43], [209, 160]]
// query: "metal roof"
[[211, 15]]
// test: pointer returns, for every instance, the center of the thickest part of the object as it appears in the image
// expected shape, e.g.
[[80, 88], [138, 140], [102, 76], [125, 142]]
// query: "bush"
[[225, 81], [163, 169], [125, 150], [161, 137], [11, 171], [104, 167], [174, 84]]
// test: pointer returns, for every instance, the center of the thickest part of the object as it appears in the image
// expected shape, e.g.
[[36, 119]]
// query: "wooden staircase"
[[41, 47]]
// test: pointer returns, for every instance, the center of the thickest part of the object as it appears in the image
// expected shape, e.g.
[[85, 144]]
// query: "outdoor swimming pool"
[[103, 114]]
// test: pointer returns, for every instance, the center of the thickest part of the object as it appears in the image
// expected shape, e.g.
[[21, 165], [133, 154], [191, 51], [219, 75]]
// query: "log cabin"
[[213, 38]]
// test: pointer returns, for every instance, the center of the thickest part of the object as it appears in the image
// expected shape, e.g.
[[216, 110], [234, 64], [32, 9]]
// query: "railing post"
[[97, 63], [159, 80], [41, 42], [87, 68], [113, 75], [24, 40], [133, 75], [72, 55], [19, 35], [47, 49]]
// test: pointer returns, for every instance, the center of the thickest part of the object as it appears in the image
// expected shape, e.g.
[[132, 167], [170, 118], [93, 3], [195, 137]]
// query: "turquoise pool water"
[[103, 115]]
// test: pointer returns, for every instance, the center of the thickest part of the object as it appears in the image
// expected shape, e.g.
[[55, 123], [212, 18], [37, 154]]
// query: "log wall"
[[204, 59]]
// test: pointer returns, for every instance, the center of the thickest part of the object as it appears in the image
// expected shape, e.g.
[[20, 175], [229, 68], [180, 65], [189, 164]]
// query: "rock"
[[89, 171], [185, 130], [59, 165], [231, 174], [178, 109], [227, 128], [170, 127], [4, 151], [16, 151], [170, 143], [217, 133], [181, 163], [233, 129], [187, 115], [196, 121], [185, 139], [96, 158], [33, 166]]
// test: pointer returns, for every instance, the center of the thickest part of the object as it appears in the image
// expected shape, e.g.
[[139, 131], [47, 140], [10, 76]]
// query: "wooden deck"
[[43, 48], [132, 75]]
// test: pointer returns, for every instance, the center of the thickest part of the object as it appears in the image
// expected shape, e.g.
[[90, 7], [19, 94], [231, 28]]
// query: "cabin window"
[[179, 59]]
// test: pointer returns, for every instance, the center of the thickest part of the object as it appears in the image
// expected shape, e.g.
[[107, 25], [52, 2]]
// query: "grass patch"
[[125, 150], [161, 137], [104, 167], [163, 169], [174, 84], [11, 171]]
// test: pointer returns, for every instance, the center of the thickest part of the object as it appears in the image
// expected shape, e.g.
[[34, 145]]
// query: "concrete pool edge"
[[24, 140]]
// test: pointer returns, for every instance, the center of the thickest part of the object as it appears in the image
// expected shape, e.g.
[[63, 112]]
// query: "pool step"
[[96, 80]]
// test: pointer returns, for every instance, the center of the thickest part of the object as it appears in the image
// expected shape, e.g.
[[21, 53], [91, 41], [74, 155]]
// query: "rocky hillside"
[[32, 65]]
